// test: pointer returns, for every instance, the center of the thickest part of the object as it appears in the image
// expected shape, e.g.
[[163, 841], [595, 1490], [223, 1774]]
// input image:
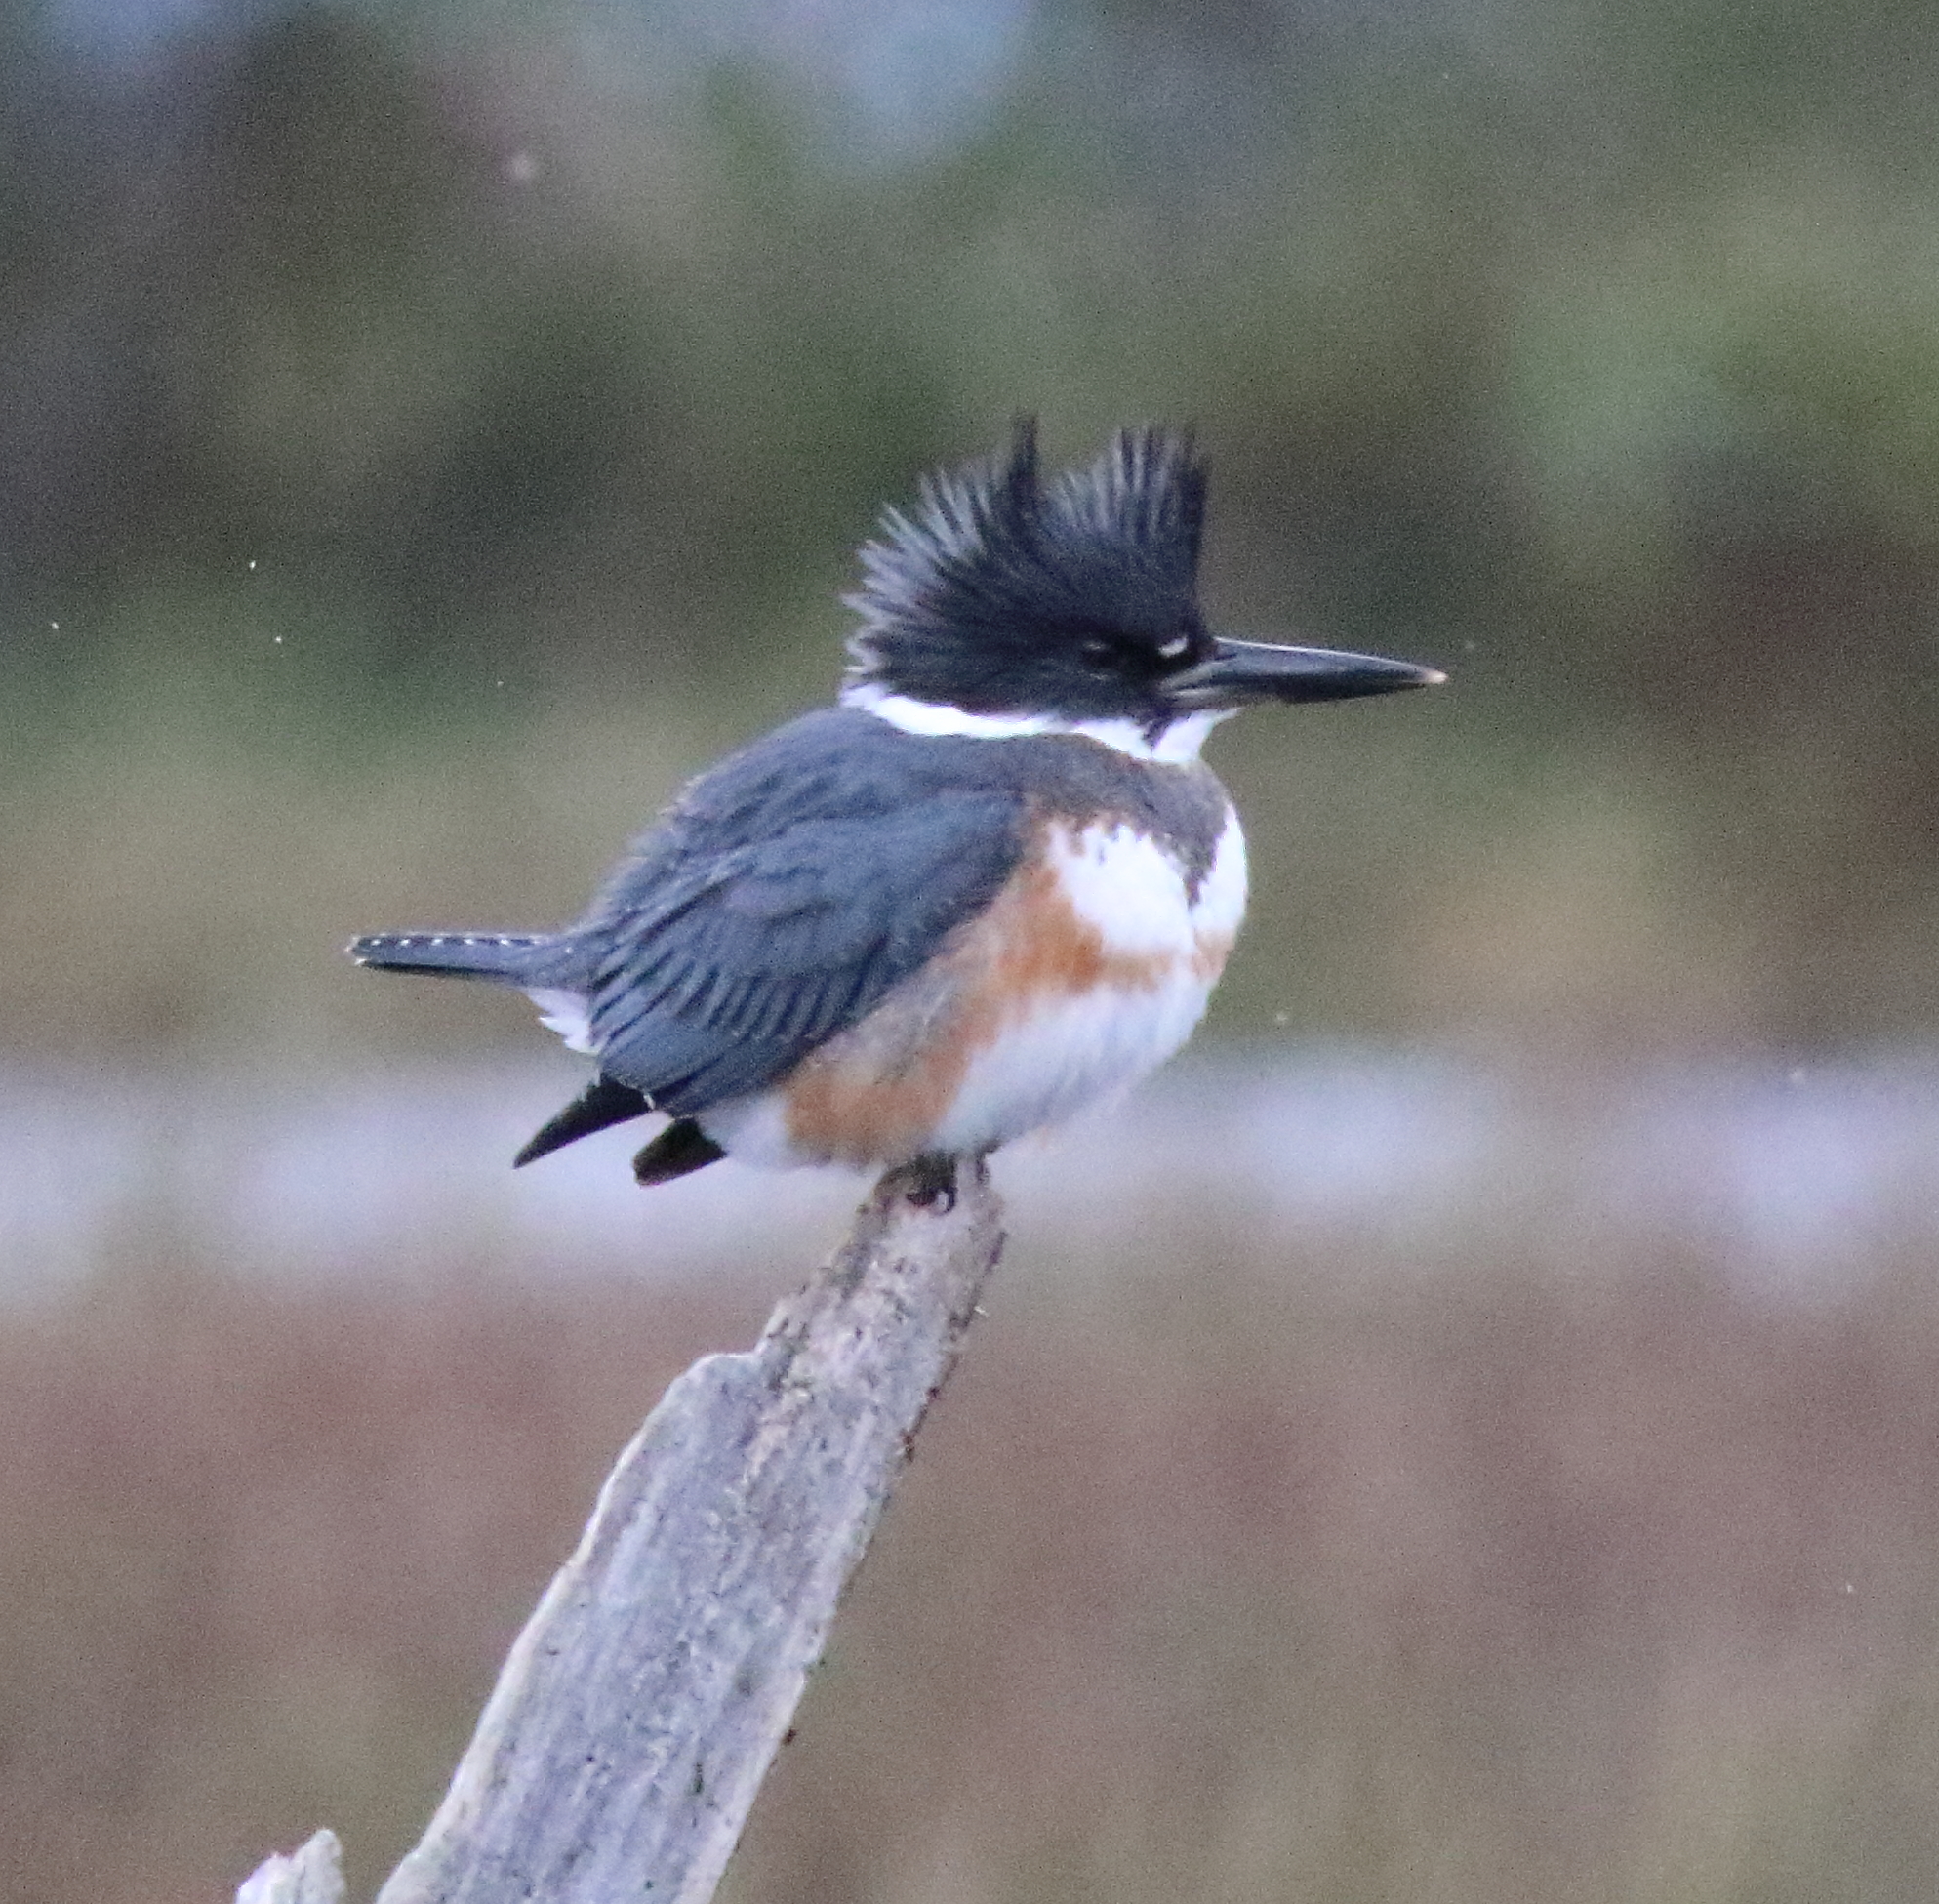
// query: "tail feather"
[[605, 1101], [508, 957], [682, 1146]]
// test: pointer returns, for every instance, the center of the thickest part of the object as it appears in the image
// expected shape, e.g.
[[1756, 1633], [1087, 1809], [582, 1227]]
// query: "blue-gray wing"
[[775, 905]]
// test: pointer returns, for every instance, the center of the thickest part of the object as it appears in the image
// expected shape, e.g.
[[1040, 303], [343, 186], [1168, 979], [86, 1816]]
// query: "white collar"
[[1177, 743]]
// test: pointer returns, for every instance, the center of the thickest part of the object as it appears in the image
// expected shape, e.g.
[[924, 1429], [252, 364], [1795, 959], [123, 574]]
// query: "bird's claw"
[[930, 1184]]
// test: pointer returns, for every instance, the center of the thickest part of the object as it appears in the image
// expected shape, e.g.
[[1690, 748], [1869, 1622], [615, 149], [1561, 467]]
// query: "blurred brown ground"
[[1233, 1578]]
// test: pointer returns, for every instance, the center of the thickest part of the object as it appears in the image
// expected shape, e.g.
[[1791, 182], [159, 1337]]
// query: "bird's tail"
[[508, 957]]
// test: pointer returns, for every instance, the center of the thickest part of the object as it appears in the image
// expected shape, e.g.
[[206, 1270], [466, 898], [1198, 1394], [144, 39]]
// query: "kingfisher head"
[[1006, 604]]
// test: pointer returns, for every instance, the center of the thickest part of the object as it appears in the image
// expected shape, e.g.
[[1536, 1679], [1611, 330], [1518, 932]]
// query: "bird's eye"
[[1096, 648]]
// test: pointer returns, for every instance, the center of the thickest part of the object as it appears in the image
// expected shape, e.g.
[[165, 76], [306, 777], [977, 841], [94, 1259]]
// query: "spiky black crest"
[[1005, 594]]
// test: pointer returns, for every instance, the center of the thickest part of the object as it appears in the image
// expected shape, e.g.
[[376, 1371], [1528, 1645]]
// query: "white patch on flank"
[[566, 1013], [754, 1130], [1176, 745]]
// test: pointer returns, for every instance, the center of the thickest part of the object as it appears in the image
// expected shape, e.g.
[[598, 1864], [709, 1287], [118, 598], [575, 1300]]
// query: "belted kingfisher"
[[994, 884]]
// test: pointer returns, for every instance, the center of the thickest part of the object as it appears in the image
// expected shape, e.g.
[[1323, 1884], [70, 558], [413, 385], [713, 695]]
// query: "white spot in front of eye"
[[1175, 648]]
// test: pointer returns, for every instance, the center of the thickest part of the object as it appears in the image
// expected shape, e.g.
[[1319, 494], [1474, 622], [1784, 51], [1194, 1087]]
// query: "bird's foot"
[[930, 1183]]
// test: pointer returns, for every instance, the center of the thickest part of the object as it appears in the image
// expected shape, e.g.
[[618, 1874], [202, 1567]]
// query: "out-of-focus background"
[[1470, 1432]]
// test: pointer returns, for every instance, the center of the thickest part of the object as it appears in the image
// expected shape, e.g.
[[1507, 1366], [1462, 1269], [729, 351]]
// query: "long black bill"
[[1240, 672]]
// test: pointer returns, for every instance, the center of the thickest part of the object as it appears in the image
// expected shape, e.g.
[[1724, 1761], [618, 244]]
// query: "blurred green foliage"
[[390, 391]]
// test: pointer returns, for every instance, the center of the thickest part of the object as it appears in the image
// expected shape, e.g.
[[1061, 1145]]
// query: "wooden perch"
[[639, 1710]]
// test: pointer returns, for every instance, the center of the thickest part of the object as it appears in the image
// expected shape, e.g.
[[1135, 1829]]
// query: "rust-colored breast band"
[[879, 1091]]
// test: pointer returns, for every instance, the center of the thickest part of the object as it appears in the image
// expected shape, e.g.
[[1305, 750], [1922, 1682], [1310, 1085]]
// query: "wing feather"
[[778, 902]]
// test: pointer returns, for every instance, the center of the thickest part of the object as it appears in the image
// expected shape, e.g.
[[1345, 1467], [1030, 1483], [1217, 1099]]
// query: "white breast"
[[1072, 1051]]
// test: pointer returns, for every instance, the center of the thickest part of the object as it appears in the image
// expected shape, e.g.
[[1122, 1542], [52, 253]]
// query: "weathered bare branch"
[[641, 1707], [312, 1873]]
